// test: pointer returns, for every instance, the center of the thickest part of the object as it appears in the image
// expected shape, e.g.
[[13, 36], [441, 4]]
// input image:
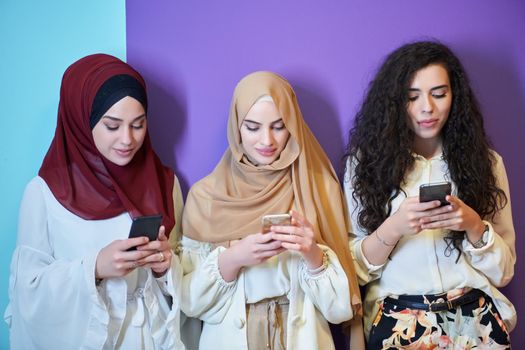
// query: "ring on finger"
[[162, 257]]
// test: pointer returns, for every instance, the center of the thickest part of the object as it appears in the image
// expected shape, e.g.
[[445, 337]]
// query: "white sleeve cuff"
[[488, 237], [360, 256]]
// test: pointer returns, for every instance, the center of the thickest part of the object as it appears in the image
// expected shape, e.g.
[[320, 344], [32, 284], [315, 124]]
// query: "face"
[[119, 134], [263, 134], [430, 99]]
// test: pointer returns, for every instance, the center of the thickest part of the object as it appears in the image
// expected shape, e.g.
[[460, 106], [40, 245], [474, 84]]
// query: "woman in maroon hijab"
[[74, 281]]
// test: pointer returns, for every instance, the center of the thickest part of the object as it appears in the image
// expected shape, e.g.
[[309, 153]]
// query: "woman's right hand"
[[115, 261], [251, 250], [406, 220]]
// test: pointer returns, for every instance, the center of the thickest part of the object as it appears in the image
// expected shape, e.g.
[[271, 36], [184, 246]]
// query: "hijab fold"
[[228, 204], [84, 181]]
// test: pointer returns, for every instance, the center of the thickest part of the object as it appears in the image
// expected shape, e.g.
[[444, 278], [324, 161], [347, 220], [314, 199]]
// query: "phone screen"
[[435, 191], [145, 226], [275, 219]]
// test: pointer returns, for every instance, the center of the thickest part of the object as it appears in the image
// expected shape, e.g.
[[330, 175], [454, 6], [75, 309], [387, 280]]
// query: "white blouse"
[[274, 271], [314, 299], [418, 264], [54, 301]]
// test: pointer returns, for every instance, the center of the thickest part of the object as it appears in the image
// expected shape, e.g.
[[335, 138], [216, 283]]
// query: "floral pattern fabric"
[[476, 325]]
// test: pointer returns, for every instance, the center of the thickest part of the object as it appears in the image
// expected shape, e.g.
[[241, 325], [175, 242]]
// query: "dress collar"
[[438, 156]]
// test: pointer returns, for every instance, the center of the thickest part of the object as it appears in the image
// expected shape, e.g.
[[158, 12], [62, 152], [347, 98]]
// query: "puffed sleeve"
[[46, 292], [327, 289], [497, 258], [205, 294], [366, 272]]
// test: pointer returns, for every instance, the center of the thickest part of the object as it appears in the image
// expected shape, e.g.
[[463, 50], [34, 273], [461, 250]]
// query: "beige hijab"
[[228, 204]]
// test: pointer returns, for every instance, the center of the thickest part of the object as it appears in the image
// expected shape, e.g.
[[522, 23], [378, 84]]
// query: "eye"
[[137, 126], [412, 98], [279, 127], [111, 127], [251, 127], [439, 95]]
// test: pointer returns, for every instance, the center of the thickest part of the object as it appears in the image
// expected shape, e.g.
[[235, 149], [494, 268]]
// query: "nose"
[[126, 137], [267, 137], [428, 104]]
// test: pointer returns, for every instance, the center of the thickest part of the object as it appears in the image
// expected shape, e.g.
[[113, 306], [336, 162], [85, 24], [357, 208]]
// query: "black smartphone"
[[145, 226], [435, 191]]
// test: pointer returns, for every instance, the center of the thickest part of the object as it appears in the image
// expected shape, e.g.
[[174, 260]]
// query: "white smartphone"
[[275, 220]]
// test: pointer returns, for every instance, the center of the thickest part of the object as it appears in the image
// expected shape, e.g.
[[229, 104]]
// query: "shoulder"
[[498, 168], [36, 187], [496, 159], [203, 187], [36, 197], [176, 185]]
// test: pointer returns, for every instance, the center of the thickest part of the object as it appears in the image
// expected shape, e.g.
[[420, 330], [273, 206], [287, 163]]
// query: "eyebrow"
[[432, 89], [254, 122], [115, 119]]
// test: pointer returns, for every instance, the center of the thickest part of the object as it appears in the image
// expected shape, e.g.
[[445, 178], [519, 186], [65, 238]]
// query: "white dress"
[[314, 300], [54, 301], [418, 264]]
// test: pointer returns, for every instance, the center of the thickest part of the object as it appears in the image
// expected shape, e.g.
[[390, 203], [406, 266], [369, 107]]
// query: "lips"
[[124, 152], [266, 152], [427, 123]]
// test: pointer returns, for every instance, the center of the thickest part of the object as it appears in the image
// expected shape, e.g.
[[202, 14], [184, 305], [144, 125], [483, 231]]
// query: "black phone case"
[[145, 226], [435, 191]]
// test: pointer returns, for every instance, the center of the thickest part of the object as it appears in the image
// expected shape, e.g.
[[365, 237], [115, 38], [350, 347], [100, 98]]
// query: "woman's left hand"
[[299, 237], [456, 216], [160, 261]]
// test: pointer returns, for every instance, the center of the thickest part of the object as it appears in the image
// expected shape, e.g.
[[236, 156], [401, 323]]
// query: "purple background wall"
[[193, 53]]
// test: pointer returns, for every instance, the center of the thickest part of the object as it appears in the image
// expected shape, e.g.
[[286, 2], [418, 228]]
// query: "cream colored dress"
[[418, 264], [314, 300]]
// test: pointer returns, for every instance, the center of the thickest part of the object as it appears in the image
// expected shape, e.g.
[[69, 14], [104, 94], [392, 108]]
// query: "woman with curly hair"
[[431, 271]]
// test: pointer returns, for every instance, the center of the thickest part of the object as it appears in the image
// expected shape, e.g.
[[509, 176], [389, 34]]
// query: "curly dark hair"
[[380, 142]]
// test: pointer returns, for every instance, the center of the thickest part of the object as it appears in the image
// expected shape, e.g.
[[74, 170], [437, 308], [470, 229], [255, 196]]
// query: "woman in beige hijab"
[[279, 289]]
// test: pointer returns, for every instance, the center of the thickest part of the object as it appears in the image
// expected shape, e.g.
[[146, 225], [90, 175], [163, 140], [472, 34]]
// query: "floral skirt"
[[474, 325]]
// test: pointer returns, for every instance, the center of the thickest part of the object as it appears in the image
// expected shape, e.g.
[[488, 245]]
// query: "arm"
[[497, 257], [210, 276], [327, 289], [251, 250], [160, 263], [366, 272], [205, 294], [405, 221], [371, 251], [321, 276], [43, 288]]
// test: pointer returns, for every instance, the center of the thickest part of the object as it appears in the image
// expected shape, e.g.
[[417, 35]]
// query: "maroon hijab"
[[83, 180]]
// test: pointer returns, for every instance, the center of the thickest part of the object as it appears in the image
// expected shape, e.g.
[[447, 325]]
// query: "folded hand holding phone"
[[299, 237]]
